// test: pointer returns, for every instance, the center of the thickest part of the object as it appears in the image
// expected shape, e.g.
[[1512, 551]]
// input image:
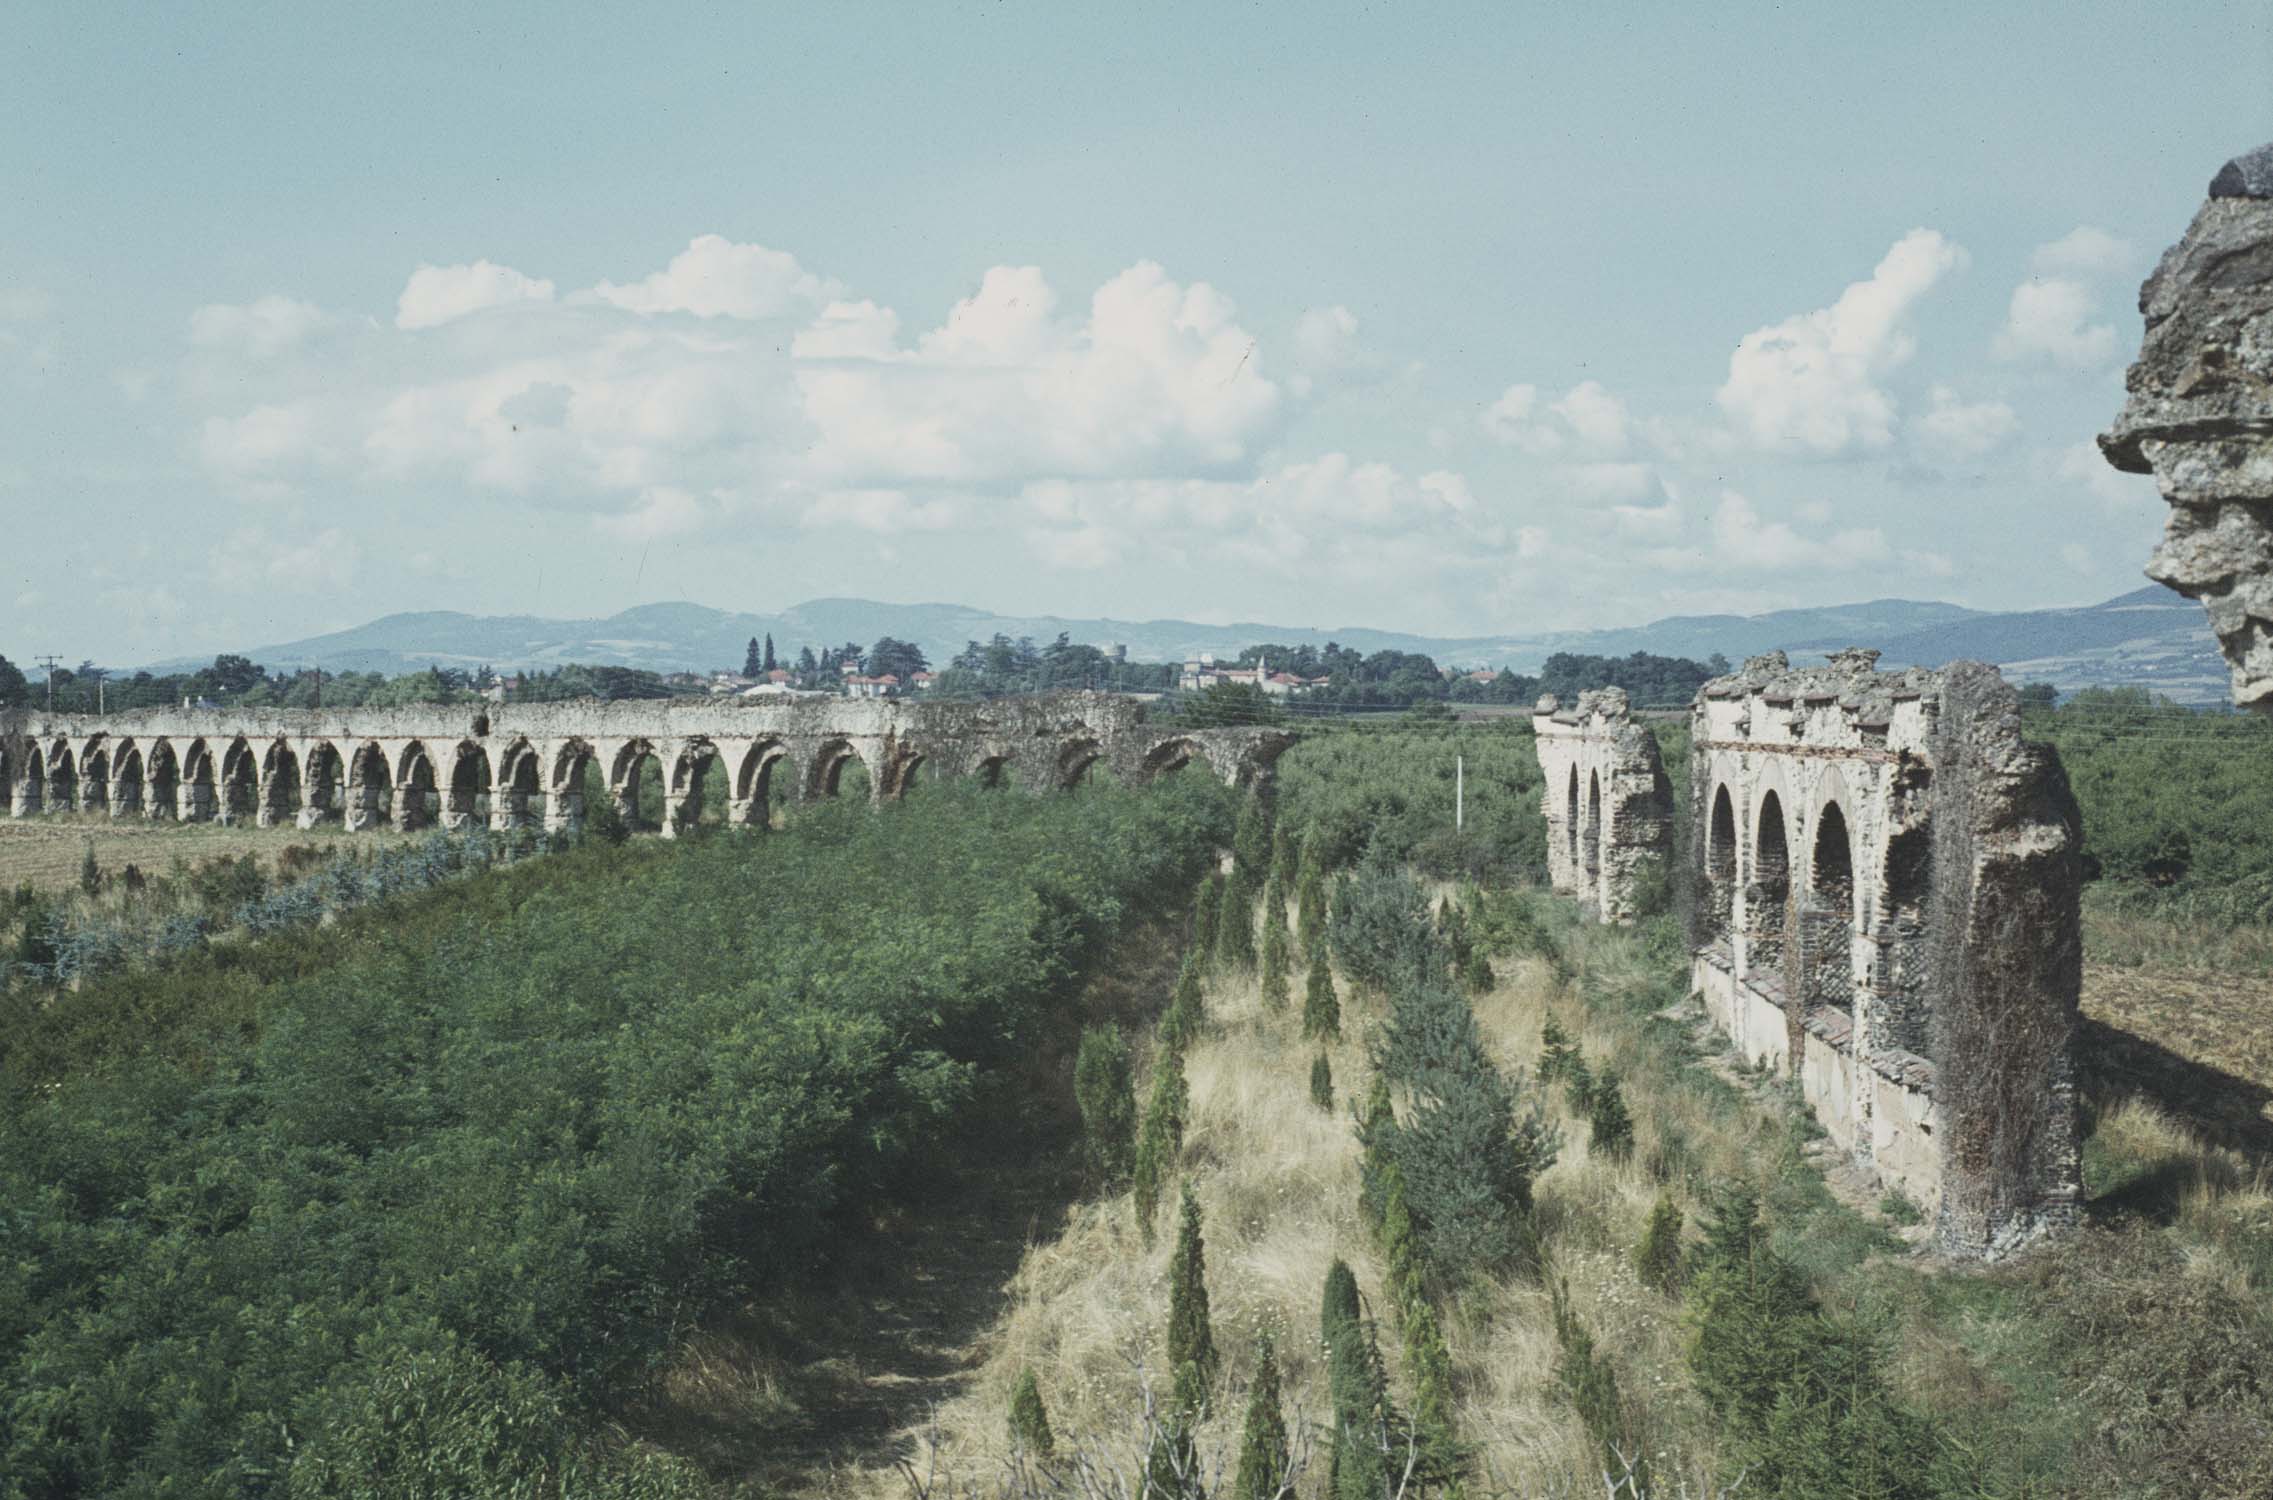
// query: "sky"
[[1452, 319]]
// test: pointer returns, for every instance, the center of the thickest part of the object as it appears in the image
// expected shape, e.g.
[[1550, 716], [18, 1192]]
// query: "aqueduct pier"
[[512, 766]]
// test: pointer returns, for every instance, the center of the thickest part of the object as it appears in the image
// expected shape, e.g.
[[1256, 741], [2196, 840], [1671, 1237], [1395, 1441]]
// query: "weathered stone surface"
[[1608, 803], [451, 764], [2200, 416], [1887, 884]]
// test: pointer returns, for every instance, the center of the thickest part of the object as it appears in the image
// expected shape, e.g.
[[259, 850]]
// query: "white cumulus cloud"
[[435, 295], [2051, 316], [716, 278], [2084, 251], [1811, 383], [1965, 429], [261, 329]]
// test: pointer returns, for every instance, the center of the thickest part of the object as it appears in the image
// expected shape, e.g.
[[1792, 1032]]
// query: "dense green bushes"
[[1392, 791], [523, 1133]]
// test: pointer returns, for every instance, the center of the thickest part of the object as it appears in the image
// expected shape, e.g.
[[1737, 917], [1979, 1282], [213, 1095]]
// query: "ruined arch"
[[1719, 905], [564, 798], [516, 776], [683, 787], [1767, 895], [324, 792], [1901, 1015], [825, 772], [62, 779], [280, 789], [240, 782], [162, 776], [1169, 757], [901, 772], [197, 788], [416, 788], [1827, 921], [753, 784], [94, 777], [126, 773], [469, 799], [1075, 757], [626, 773], [370, 789], [1572, 833], [992, 772], [1591, 850]]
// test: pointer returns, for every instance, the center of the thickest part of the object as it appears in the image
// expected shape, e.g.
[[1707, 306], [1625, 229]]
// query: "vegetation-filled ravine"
[[405, 1204]]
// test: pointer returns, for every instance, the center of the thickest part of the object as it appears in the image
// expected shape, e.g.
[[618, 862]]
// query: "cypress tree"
[[1338, 1304], [1274, 963], [1322, 1082], [1364, 1421], [90, 873], [1376, 1132], [1207, 906], [1251, 841], [1310, 905], [1657, 1259], [1610, 1129], [1321, 1010], [1263, 1457], [1235, 923], [1029, 1420], [1429, 1367], [1160, 1140], [1284, 850], [1172, 1469], [1106, 1092], [1188, 1009], [1400, 1245], [1555, 1052], [770, 663], [1191, 1338], [1274, 902], [753, 660]]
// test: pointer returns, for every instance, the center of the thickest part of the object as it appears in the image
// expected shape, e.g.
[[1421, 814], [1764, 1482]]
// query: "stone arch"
[[470, 796], [1901, 1015], [825, 771], [517, 775], [753, 783], [417, 788], [62, 779], [94, 777], [564, 798], [198, 783], [1075, 757], [900, 772], [1169, 757], [992, 772], [626, 771], [1572, 831], [1767, 895], [126, 773], [1827, 916], [240, 782], [280, 789], [1720, 865], [370, 788], [162, 781], [324, 785], [682, 785], [7, 773]]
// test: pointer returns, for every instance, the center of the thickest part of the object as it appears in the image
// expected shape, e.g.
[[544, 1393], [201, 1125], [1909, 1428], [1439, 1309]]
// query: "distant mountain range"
[[2152, 637]]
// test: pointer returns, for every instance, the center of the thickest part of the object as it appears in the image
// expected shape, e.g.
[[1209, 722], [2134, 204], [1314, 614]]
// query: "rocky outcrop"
[[2200, 416]]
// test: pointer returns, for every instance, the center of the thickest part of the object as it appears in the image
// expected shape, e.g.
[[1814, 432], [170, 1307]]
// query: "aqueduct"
[[517, 765], [1885, 881], [1609, 806]]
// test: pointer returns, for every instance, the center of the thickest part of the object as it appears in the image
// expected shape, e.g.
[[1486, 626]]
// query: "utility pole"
[[1459, 793], [101, 676], [51, 663]]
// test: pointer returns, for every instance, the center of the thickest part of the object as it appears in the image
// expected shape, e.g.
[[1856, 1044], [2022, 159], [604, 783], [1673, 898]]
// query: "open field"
[[47, 851]]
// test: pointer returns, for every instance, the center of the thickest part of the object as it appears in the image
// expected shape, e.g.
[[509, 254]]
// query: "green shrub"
[[1105, 1091], [1265, 1462], [1029, 1419], [1321, 1008], [1191, 1336], [1657, 1258], [1610, 1127], [1322, 1082], [1160, 1140]]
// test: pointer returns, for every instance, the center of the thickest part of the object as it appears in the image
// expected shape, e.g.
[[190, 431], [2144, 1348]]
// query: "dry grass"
[[46, 851], [1278, 1183]]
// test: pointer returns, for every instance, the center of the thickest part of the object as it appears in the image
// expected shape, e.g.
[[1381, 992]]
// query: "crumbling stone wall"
[[2200, 417], [511, 764], [1888, 881], [1608, 803]]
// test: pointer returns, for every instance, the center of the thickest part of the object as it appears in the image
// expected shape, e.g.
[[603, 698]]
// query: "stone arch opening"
[[826, 778], [62, 780], [1720, 867], [162, 775], [1075, 757], [126, 790], [1571, 830], [684, 798], [280, 788], [1902, 1015], [636, 765], [1768, 895], [754, 791], [240, 783], [1592, 842], [94, 778], [574, 768], [370, 790], [1827, 929], [518, 778], [468, 802], [416, 789], [993, 773], [7, 773], [902, 773], [325, 797], [197, 794], [1169, 758]]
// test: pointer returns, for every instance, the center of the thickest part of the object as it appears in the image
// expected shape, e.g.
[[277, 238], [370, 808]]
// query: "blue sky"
[[1455, 319]]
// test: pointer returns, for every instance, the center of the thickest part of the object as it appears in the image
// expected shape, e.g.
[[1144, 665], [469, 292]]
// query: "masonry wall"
[[1887, 881], [1608, 803]]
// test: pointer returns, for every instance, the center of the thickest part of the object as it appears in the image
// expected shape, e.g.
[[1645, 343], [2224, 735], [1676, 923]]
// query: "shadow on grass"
[[2225, 1109]]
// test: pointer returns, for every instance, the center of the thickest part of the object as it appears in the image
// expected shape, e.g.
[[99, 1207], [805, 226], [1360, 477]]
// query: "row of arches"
[[1585, 832], [1813, 926], [518, 783]]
